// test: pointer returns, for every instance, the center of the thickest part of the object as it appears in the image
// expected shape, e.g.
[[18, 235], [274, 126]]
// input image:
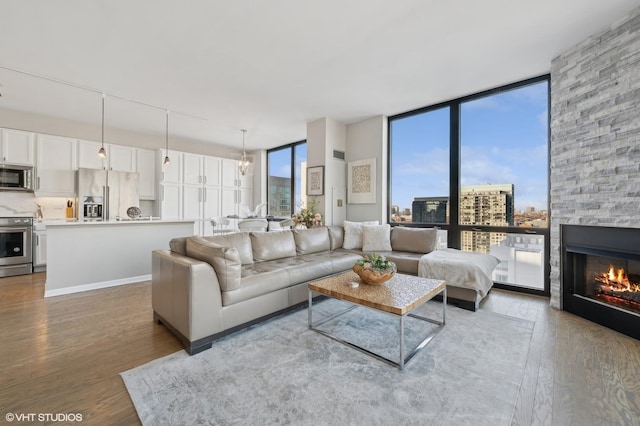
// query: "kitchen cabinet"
[[171, 201], [39, 250], [211, 170], [17, 147], [192, 205], [171, 173], [236, 189], [56, 164], [210, 208], [146, 168], [192, 169], [88, 157], [121, 158]]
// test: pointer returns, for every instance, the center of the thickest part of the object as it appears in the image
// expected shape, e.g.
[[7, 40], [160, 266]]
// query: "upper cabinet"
[[88, 157], [146, 167], [172, 172], [17, 147], [211, 170], [56, 164], [121, 158], [192, 169]]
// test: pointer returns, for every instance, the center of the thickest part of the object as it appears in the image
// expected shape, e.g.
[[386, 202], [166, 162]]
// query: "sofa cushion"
[[312, 240], [376, 237], [272, 245], [258, 279], [179, 245], [414, 240], [353, 233], [224, 260], [239, 240], [336, 236]]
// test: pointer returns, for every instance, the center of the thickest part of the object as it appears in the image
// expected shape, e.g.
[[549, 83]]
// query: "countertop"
[[41, 225]]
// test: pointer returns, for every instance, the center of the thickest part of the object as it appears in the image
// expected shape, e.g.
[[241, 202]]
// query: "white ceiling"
[[272, 66]]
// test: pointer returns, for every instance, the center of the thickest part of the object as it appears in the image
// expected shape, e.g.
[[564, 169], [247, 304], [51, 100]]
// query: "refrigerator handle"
[[105, 201]]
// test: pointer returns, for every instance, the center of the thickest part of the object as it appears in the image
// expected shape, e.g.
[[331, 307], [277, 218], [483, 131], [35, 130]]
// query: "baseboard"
[[95, 286]]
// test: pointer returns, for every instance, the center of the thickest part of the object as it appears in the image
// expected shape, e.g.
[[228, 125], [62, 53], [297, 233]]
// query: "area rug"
[[280, 372]]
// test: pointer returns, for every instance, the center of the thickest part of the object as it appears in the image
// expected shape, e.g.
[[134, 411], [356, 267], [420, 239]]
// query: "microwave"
[[16, 178]]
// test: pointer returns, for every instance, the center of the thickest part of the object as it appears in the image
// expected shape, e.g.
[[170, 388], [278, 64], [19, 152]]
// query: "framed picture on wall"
[[315, 180], [361, 181]]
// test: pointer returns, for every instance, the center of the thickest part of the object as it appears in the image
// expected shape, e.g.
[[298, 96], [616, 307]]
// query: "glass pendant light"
[[101, 152], [167, 161]]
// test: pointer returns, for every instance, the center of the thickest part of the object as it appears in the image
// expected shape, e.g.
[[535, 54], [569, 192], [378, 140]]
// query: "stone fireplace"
[[601, 275], [595, 163]]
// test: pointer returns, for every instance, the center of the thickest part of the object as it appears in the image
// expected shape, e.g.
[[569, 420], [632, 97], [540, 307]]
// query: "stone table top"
[[398, 296]]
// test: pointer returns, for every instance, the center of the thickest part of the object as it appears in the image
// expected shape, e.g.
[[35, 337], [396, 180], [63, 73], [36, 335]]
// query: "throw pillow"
[[224, 260], [414, 240], [353, 234], [376, 237]]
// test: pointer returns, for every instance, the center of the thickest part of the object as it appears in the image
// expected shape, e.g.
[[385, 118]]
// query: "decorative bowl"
[[134, 212], [373, 276]]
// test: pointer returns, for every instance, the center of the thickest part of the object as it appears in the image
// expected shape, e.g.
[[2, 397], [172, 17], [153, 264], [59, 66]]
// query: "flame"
[[617, 280]]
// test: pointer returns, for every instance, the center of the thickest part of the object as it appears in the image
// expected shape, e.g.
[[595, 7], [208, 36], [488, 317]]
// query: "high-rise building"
[[430, 210], [490, 205], [279, 196]]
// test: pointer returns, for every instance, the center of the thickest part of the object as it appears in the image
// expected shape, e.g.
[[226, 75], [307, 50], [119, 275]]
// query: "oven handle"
[[14, 229]]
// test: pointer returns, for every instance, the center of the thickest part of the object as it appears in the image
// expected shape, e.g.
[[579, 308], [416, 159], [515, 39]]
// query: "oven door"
[[15, 245]]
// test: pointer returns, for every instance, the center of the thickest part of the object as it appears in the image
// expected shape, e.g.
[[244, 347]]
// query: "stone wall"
[[595, 135]]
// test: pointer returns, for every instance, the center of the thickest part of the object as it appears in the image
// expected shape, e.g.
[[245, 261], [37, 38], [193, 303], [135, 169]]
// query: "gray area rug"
[[280, 372]]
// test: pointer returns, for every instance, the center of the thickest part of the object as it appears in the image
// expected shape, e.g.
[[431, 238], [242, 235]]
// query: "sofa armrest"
[[185, 292]]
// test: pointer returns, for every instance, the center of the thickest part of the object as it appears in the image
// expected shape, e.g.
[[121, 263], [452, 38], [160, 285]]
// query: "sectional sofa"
[[206, 287]]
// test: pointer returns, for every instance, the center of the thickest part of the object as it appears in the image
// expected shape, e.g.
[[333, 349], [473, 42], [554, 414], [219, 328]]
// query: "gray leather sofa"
[[206, 287]]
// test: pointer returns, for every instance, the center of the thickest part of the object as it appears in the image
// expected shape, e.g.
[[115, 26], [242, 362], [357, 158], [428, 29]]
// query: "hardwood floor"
[[64, 355]]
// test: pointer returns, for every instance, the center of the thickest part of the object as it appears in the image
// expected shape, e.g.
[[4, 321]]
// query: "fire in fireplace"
[[601, 275]]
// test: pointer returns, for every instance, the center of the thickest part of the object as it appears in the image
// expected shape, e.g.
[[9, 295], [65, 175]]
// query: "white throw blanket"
[[460, 268]]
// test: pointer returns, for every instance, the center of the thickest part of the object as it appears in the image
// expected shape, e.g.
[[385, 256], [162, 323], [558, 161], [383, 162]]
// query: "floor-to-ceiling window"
[[477, 167], [286, 166]]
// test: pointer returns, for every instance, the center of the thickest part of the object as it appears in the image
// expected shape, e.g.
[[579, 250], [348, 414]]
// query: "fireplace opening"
[[610, 280], [601, 275]]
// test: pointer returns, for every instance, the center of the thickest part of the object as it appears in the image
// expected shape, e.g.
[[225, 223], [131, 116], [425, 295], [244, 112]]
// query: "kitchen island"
[[84, 256]]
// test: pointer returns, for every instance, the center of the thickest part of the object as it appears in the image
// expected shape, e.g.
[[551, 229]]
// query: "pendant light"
[[101, 152], [244, 163], [167, 161]]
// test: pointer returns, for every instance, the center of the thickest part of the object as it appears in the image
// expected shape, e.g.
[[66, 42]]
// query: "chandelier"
[[244, 162]]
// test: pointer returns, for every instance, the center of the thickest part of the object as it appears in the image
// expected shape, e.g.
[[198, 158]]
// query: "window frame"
[[292, 188], [454, 228]]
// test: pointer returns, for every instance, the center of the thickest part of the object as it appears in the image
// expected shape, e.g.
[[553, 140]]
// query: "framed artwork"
[[315, 180], [361, 181]]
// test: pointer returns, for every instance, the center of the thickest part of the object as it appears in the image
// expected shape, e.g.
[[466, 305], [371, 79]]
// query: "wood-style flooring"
[[64, 355]]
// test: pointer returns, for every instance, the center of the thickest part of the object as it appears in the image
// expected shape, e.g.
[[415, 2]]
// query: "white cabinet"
[[56, 164], [121, 158], [171, 173], [192, 205], [192, 169], [210, 207], [17, 147], [146, 168], [211, 170], [39, 249], [88, 157], [236, 189], [171, 201]]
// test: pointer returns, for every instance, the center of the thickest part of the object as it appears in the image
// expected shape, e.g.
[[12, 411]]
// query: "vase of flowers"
[[374, 269], [307, 217]]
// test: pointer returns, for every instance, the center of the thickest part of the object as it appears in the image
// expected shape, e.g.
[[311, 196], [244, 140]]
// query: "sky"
[[504, 139]]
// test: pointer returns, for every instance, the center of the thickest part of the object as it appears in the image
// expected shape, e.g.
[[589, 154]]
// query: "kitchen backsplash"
[[26, 204]]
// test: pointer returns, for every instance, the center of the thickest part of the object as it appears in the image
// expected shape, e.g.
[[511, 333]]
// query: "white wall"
[[368, 139], [323, 137]]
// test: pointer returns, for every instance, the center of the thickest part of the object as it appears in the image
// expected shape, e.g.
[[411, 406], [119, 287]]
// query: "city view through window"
[[503, 175]]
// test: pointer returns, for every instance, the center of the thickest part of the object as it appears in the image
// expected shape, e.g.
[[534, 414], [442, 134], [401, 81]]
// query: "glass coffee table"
[[399, 296]]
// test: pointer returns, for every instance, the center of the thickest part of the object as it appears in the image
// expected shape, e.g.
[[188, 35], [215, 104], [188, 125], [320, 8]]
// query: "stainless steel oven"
[[15, 246]]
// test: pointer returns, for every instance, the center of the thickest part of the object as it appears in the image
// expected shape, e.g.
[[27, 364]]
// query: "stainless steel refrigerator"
[[106, 194]]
